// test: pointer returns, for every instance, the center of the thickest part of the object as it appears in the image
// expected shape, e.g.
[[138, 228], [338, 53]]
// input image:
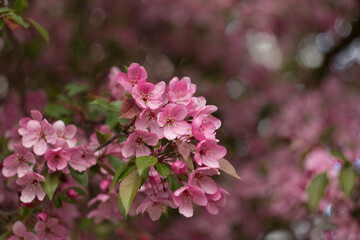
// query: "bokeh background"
[[283, 73]]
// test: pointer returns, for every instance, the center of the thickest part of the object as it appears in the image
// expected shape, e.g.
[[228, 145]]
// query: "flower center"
[[139, 141], [152, 116], [133, 80], [146, 95], [170, 122]]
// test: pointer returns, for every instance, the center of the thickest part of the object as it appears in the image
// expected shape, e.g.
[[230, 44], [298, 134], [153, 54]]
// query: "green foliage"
[[120, 169], [112, 106], [338, 154], [56, 110], [102, 137], [226, 166], [50, 184], [41, 30], [316, 190], [13, 16], [75, 88], [173, 183], [162, 169], [145, 162], [81, 178], [128, 189], [78, 190], [347, 179], [114, 161]]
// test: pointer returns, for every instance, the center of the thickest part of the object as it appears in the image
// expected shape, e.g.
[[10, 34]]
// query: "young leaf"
[[18, 7], [316, 190], [125, 173], [113, 106], [129, 109], [102, 137], [56, 110], [4, 10], [226, 166], [145, 162], [173, 183], [128, 189], [119, 171], [347, 179], [75, 88], [162, 169], [121, 206], [114, 161], [17, 19], [41, 30], [81, 178], [50, 184]]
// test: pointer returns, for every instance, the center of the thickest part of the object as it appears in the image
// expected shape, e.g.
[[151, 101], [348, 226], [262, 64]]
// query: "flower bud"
[[42, 216], [72, 193], [179, 167], [105, 184]]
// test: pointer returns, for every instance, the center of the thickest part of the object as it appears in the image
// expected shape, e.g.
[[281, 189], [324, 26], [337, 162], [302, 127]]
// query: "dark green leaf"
[[57, 202], [128, 189], [102, 137], [4, 235], [112, 119], [162, 169], [339, 154], [347, 179], [81, 178], [123, 121], [114, 161], [41, 30], [113, 106], [50, 184], [119, 171], [75, 88], [145, 162], [56, 110], [121, 207], [316, 190], [144, 176], [173, 183], [65, 198], [17, 19], [4, 10], [125, 173], [18, 7]]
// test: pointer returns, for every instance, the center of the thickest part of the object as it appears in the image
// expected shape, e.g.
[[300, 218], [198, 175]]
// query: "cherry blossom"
[[32, 182], [18, 163], [136, 74], [21, 233], [135, 144], [184, 196]]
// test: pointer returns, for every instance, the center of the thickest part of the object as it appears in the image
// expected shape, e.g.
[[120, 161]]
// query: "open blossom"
[[195, 104], [18, 163], [216, 200], [136, 74], [208, 152], [154, 205], [200, 177], [65, 134], [180, 92], [57, 158], [21, 233], [179, 167], [32, 182], [135, 144], [37, 133], [206, 111], [172, 121], [148, 95], [148, 118], [202, 128], [50, 230], [184, 196], [106, 209]]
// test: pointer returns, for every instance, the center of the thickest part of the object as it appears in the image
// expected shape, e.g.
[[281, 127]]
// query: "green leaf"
[[112, 119], [4, 235], [41, 30], [50, 184], [113, 106], [4, 10], [75, 88], [17, 19], [56, 110], [227, 167], [128, 189], [339, 154], [18, 7], [145, 162], [162, 169], [114, 161], [347, 179], [119, 171], [173, 183], [102, 137], [121, 206], [126, 173], [57, 202], [66, 198], [81, 178], [316, 190], [144, 176]]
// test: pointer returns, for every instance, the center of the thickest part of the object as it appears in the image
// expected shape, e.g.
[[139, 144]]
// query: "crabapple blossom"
[[21, 233], [50, 229], [179, 167], [201, 177], [65, 134], [216, 200], [172, 120], [148, 119], [181, 91], [32, 182], [184, 196], [136, 75], [208, 152], [42, 216], [18, 163], [135, 144], [202, 128], [71, 193], [154, 205], [148, 95], [57, 158]]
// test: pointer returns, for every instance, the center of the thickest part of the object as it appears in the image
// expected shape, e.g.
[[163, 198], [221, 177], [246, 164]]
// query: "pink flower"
[[206, 111], [180, 92], [184, 196], [32, 182], [116, 89], [21, 233], [136, 143], [208, 152], [136, 74], [66, 134], [148, 95], [57, 158], [154, 205], [50, 230], [77, 160], [37, 133], [42, 216], [179, 167], [200, 177], [18, 162], [148, 118], [216, 200], [202, 128], [107, 208], [172, 120], [71, 193], [195, 104]]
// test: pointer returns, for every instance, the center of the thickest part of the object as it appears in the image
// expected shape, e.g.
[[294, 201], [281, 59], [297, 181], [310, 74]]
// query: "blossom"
[[136, 143], [184, 196], [18, 162], [19, 229], [37, 133], [216, 200], [154, 205], [180, 92], [148, 118], [172, 121], [200, 177], [148, 95], [50, 230], [179, 167], [57, 158], [136, 74], [107, 208], [32, 182], [65, 134], [208, 152], [202, 128]]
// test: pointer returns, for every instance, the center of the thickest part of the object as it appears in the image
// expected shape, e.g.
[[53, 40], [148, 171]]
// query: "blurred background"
[[283, 73]]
